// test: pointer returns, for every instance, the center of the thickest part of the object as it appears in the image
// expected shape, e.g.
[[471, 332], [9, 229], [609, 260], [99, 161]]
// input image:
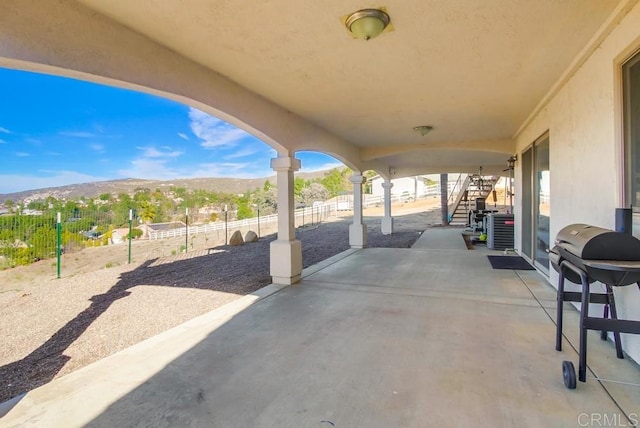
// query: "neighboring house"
[[401, 186], [119, 236], [405, 186]]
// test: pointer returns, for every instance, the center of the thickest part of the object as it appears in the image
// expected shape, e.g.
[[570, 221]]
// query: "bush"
[[135, 233]]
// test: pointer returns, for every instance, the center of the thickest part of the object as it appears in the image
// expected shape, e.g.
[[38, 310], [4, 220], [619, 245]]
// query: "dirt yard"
[[51, 327]]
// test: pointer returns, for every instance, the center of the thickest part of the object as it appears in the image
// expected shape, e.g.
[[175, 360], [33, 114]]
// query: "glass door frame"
[[530, 219], [630, 165]]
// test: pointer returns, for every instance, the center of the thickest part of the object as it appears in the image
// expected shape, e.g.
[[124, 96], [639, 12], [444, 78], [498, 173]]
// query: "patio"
[[427, 336]]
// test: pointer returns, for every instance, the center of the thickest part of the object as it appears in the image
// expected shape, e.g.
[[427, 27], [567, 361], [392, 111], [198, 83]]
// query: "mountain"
[[129, 185]]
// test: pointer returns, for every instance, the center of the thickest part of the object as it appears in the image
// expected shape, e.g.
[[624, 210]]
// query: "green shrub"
[[135, 233]]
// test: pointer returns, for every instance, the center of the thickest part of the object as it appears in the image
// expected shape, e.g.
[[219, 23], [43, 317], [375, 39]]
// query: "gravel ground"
[[50, 328]]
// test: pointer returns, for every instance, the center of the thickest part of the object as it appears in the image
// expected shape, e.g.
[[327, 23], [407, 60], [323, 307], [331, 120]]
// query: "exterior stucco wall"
[[400, 186], [583, 121]]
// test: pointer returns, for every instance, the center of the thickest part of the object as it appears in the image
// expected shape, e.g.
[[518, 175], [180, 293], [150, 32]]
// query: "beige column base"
[[357, 235], [285, 261], [387, 226]]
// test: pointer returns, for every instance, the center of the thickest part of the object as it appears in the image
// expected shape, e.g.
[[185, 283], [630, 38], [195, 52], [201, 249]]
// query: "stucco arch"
[[47, 40], [506, 146], [335, 156]]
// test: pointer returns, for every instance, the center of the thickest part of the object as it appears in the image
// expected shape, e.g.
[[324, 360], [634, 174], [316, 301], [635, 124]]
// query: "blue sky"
[[56, 131]]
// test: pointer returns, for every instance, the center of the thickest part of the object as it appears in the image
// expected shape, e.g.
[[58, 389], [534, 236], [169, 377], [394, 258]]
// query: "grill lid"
[[595, 243]]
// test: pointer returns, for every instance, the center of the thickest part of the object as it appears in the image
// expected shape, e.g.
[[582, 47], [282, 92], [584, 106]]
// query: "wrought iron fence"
[[31, 235]]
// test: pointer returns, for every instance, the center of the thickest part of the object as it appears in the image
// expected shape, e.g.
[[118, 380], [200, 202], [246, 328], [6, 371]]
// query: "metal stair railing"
[[453, 189], [463, 188]]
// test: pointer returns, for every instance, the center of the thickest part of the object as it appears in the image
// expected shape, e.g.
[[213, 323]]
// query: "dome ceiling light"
[[423, 129], [367, 23]]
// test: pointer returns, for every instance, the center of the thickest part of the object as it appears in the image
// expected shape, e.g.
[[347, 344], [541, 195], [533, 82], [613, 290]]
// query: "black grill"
[[599, 252], [584, 254]]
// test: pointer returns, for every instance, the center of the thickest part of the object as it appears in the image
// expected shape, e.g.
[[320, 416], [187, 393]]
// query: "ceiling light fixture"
[[423, 129], [367, 23]]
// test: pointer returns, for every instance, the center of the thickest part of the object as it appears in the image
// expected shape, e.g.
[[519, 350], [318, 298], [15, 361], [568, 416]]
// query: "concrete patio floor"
[[420, 337]]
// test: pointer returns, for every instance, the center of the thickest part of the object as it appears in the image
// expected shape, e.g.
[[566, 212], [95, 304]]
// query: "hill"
[[129, 185]]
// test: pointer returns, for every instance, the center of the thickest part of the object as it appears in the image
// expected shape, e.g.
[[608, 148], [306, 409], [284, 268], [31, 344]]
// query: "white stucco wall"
[[583, 120]]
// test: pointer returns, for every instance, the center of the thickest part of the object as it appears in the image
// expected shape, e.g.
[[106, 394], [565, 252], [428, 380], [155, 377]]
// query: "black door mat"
[[509, 262]]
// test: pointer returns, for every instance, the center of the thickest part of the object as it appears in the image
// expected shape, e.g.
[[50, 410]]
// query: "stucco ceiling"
[[472, 69]]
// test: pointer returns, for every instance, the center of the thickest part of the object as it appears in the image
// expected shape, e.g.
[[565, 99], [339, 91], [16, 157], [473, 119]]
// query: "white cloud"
[[54, 154], [10, 183], [212, 131], [152, 169], [97, 147], [4, 130], [233, 169], [244, 153], [183, 136], [321, 167], [152, 152], [153, 164], [78, 134], [23, 154]]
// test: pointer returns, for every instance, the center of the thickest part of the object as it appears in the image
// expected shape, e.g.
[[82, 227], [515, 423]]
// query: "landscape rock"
[[236, 238], [251, 236]]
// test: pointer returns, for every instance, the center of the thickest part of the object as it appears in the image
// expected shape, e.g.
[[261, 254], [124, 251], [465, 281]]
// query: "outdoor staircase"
[[474, 186]]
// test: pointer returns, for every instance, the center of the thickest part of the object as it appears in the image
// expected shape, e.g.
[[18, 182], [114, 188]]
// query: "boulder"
[[236, 238], [251, 236]]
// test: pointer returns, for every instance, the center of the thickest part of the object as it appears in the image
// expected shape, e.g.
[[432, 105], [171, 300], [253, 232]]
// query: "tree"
[[148, 211], [244, 211], [314, 192], [337, 181], [135, 234], [265, 200], [180, 192], [299, 183], [142, 195], [37, 205], [121, 209]]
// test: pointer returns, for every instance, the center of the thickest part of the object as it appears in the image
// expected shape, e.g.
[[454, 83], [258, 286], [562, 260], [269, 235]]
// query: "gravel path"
[[50, 328]]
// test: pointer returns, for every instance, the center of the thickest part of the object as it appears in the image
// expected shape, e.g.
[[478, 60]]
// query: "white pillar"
[[286, 251], [357, 230], [387, 220]]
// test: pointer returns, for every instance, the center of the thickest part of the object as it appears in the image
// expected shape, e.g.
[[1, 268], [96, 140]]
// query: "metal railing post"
[[130, 233], [59, 241]]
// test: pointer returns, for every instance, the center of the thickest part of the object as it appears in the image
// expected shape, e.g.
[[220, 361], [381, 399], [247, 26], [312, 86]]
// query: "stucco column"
[[286, 251], [357, 230], [387, 220]]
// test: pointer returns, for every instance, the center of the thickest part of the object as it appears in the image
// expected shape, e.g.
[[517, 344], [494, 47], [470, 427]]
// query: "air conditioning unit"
[[500, 231]]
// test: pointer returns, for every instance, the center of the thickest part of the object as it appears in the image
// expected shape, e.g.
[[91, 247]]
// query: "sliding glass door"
[[536, 203], [527, 202], [631, 82]]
